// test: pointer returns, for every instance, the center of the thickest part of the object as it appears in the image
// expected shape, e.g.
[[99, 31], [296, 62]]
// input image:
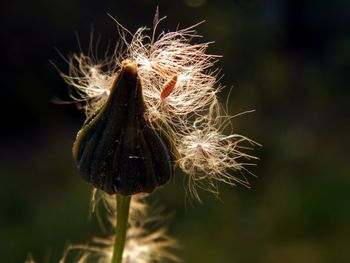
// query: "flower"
[[180, 96]]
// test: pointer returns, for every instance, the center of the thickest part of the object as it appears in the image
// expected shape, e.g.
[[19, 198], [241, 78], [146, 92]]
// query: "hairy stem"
[[123, 204]]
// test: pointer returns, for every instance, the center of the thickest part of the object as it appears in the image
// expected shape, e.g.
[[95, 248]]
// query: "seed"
[[202, 151], [168, 87]]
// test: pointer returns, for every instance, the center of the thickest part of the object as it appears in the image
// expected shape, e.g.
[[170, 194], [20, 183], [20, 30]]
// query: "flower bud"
[[118, 150]]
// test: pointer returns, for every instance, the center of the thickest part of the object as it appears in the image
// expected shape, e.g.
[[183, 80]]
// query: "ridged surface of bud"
[[117, 149]]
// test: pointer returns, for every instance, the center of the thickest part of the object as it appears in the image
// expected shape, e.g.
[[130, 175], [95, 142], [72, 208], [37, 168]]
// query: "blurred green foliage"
[[289, 60]]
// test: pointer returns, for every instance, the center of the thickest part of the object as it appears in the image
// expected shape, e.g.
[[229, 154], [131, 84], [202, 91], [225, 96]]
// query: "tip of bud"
[[129, 66]]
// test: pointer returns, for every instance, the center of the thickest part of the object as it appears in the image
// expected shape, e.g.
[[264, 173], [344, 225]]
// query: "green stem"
[[123, 204]]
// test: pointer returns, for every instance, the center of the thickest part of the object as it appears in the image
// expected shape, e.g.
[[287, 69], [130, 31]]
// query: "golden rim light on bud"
[[130, 67]]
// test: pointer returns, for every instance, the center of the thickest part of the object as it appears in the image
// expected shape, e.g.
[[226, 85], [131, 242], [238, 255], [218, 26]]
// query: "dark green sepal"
[[117, 149]]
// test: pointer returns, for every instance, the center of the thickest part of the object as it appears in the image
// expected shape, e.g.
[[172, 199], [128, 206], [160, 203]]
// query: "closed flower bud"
[[118, 150]]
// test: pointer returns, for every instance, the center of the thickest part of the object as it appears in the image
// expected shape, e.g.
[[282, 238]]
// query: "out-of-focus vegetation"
[[289, 60]]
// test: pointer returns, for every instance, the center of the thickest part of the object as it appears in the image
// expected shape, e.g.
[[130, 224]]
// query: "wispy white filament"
[[209, 156], [180, 91], [142, 244]]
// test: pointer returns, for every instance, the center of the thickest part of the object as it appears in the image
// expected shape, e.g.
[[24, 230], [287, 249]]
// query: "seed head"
[[209, 156], [180, 96], [175, 73]]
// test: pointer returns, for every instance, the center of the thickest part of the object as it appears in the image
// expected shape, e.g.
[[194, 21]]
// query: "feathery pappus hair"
[[147, 239], [180, 87]]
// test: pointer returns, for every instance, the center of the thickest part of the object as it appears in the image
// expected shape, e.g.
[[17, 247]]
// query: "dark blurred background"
[[288, 59]]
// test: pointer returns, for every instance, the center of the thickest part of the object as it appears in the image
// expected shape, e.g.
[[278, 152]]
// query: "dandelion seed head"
[[90, 80], [172, 54], [209, 156], [158, 61], [180, 90]]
